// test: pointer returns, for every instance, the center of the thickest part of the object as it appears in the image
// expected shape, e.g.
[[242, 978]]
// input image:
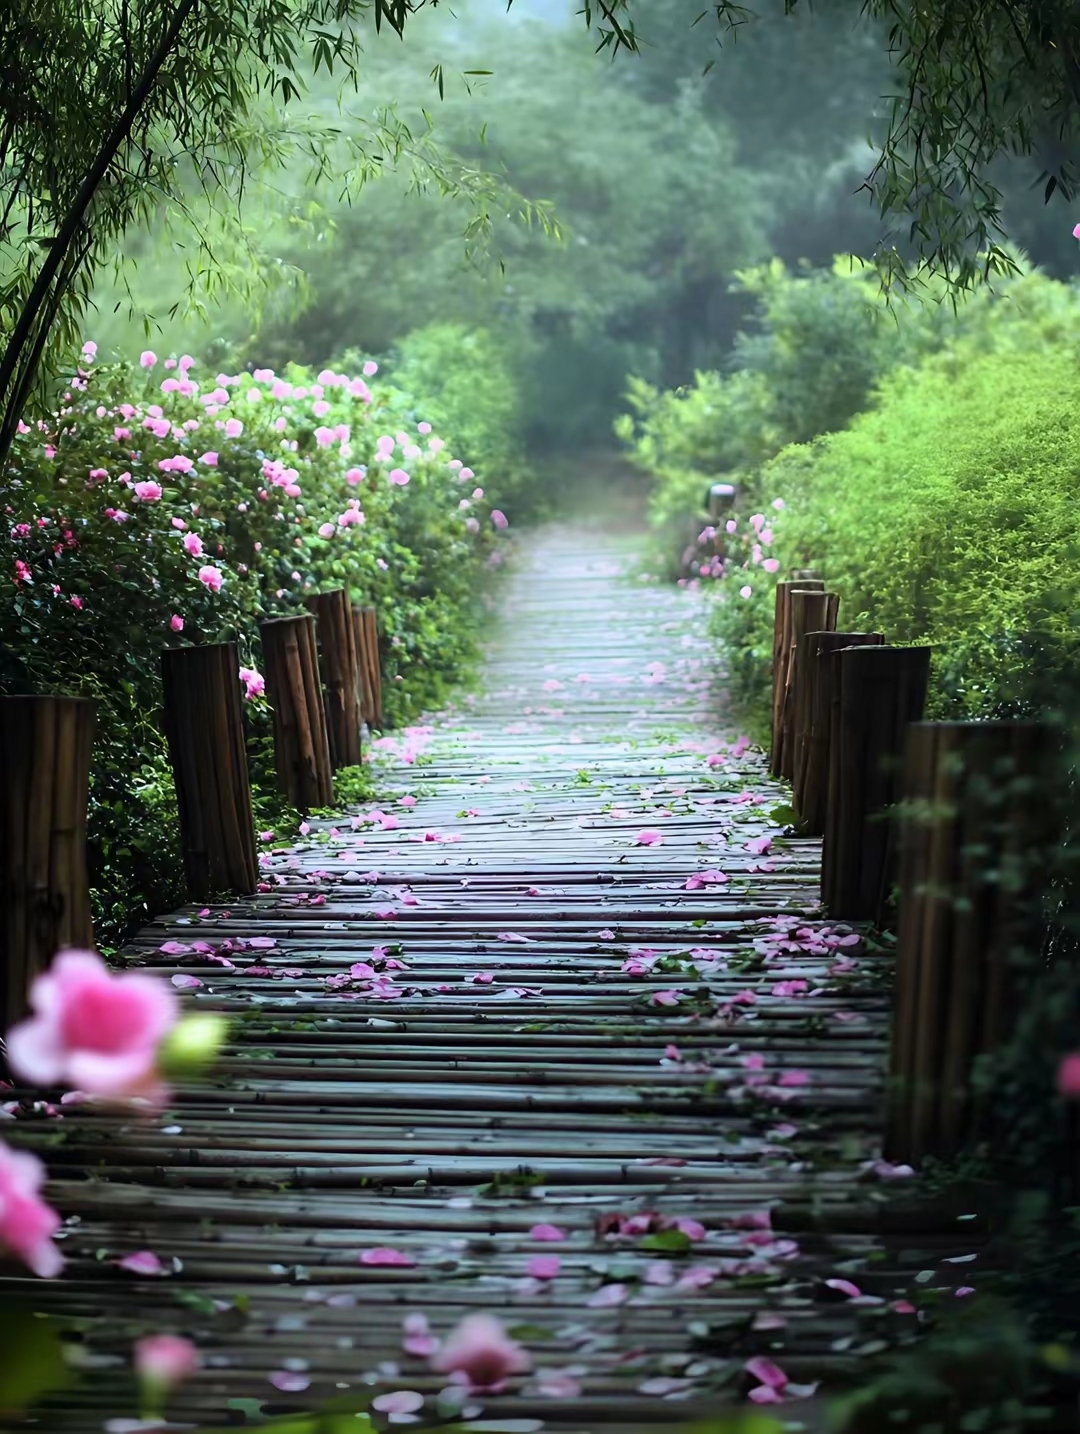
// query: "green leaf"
[[33, 1362], [673, 1241]]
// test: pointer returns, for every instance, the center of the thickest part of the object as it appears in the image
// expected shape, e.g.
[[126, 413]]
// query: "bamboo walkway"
[[499, 1008]]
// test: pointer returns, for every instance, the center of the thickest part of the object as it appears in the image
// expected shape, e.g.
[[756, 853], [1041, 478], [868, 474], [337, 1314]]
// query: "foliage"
[[639, 278], [109, 114], [821, 340], [470, 388], [203, 511], [975, 80]]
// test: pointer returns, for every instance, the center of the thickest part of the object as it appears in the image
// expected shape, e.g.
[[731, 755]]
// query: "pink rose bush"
[[165, 503]]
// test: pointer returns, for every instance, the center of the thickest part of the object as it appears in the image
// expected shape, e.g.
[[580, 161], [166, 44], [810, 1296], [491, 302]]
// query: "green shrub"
[[145, 514], [947, 515], [466, 381]]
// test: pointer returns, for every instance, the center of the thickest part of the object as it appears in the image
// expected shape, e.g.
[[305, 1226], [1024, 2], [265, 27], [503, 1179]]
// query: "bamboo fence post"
[[204, 727], [367, 642], [339, 670], [809, 610], [45, 745], [882, 689], [974, 822], [301, 747], [815, 696], [780, 656]]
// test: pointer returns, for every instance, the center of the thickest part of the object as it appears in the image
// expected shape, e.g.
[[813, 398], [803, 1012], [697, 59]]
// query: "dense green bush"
[[947, 514], [149, 513], [468, 379]]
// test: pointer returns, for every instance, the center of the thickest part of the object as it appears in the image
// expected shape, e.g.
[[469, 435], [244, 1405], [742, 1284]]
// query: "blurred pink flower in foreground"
[[27, 1224], [162, 1360], [1068, 1075], [481, 1350], [93, 1030]]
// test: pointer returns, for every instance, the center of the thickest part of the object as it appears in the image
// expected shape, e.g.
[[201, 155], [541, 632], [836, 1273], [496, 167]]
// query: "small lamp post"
[[720, 499]]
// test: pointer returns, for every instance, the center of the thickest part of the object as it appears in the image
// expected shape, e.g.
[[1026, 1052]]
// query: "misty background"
[[669, 173]]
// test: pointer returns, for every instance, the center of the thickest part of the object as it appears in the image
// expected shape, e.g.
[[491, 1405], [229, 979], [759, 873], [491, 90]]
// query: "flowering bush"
[[159, 507]]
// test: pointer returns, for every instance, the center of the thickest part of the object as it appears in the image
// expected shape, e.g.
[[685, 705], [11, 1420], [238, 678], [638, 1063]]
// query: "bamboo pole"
[[366, 628], [882, 689], [204, 727], [973, 818], [339, 669], [301, 747], [781, 655], [816, 692], [45, 745], [810, 610]]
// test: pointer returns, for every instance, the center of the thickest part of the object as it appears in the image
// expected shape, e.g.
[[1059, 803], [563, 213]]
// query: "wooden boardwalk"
[[500, 1008]]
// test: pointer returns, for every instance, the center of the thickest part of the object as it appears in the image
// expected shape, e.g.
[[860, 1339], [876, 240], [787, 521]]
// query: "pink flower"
[[355, 476], [745, 591], [398, 476], [385, 1255], [210, 459], [772, 1379], [211, 577], [92, 1030], [370, 369], [254, 682], [499, 519], [27, 1224], [76, 602], [176, 622], [481, 1349], [142, 1262], [547, 1233], [148, 358], [193, 545], [544, 1267], [400, 1404], [648, 837], [326, 530], [233, 428], [1068, 1075], [148, 491], [351, 518], [163, 1360]]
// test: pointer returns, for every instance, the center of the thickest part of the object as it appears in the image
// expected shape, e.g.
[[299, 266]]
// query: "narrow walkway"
[[528, 999]]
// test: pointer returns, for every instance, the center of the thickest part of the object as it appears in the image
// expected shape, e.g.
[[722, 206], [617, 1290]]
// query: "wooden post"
[[972, 823], [45, 747], [809, 610], [882, 689], [301, 747], [815, 694], [780, 655], [367, 642], [204, 727], [339, 669]]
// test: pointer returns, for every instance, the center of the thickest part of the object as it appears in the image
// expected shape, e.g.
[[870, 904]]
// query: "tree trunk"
[[45, 745], [204, 726]]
